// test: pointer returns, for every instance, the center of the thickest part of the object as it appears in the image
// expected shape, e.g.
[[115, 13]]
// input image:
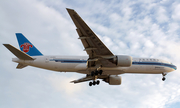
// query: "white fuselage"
[[79, 64]]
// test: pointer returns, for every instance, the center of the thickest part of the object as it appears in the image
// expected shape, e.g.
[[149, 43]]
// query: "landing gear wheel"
[[163, 79], [96, 72], [97, 82], [164, 74], [92, 73], [100, 72], [94, 83], [90, 83]]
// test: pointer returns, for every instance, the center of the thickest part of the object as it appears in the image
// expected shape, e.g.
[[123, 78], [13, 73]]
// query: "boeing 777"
[[100, 63]]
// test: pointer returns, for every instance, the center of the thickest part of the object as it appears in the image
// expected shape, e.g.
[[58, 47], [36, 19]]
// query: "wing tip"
[[69, 9], [6, 45], [72, 82]]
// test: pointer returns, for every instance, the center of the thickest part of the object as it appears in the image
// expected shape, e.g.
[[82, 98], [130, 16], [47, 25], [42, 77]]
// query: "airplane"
[[100, 63]]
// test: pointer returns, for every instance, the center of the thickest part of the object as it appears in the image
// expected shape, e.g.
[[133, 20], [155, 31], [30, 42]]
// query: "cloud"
[[176, 14], [62, 84], [137, 28], [161, 15]]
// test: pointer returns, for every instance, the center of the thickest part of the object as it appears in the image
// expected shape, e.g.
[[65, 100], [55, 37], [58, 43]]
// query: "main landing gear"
[[164, 74], [94, 83], [95, 74]]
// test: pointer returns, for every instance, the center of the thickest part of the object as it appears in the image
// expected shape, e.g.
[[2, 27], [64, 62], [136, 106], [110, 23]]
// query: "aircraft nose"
[[175, 67]]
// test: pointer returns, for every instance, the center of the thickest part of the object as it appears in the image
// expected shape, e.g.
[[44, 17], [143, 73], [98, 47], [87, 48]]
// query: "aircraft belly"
[[167, 69], [81, 66], [149, 69], [72, 67]]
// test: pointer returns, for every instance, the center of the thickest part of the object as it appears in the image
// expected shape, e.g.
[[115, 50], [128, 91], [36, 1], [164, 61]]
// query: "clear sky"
[[141, 28]]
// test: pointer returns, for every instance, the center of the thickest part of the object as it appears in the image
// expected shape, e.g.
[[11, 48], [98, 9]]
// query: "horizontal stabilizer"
[[19, 54], [20, 66]]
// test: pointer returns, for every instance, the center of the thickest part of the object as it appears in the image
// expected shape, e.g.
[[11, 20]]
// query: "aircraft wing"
[[92, 44], [88, 78]]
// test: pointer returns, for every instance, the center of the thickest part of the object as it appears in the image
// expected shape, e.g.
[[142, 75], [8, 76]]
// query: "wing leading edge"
[[92, 44]]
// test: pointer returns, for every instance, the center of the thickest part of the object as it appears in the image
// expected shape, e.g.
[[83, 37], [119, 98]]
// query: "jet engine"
[[122, 60], [113, 80]]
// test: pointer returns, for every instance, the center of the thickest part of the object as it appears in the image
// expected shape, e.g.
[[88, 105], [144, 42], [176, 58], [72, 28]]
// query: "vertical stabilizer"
[[26, 46]]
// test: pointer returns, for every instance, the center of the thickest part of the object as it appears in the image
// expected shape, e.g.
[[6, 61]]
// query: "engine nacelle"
[[122, 60], [113, 80]]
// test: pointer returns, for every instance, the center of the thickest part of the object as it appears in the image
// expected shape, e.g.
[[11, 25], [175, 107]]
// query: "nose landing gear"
[[163, 79], [164, 74]]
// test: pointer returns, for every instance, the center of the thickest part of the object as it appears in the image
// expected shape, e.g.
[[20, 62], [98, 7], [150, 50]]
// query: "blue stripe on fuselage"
[[155, 63], [69, 61], [133, 63]]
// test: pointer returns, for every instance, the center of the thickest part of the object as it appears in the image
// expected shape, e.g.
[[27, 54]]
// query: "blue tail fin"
[[26, 46]]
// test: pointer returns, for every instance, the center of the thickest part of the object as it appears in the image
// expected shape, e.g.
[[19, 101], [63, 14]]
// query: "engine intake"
[[113, 80], [122, 60]]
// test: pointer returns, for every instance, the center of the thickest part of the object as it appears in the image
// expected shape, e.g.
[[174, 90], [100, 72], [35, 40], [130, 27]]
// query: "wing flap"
[[82, 79], [88, 78]]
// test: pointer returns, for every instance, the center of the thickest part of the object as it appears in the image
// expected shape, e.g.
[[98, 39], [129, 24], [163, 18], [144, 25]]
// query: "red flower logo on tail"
[[26, 47]]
